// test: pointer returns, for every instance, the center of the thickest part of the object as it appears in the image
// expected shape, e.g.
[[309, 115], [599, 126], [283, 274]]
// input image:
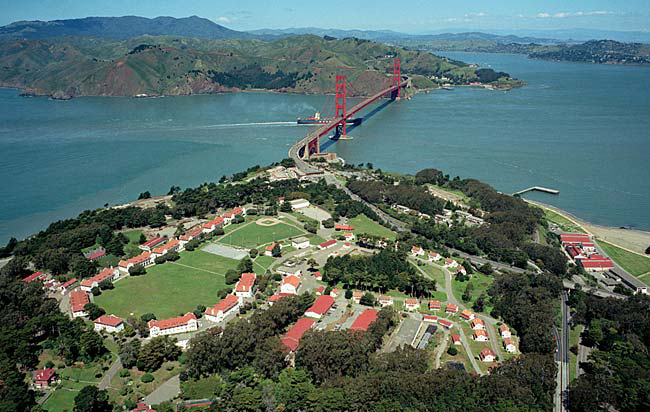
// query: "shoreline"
[[632, 240]]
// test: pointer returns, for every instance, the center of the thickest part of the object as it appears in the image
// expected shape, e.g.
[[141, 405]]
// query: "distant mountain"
[[124, 27], [581, 35], [600, 51]]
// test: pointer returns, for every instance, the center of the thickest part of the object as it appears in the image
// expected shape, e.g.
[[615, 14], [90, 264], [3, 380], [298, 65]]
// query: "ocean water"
[[583, 129]]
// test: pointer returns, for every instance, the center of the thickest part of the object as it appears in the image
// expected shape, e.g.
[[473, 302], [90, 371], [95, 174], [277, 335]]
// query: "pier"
[[537, 189]]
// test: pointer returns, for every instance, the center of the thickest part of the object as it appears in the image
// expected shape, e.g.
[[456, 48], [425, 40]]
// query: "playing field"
[[253, 235], [169, 289], [363, 224], [631, 262]]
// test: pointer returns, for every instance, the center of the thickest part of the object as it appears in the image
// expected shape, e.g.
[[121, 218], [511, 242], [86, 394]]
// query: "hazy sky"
[[409, 16]]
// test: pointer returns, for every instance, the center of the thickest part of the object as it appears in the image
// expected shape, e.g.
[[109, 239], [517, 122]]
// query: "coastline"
[[631, 240]]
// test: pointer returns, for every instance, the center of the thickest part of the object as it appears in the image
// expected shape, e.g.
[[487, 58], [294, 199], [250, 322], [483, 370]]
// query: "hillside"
[[180, 66], [121, 28], [600, 51]]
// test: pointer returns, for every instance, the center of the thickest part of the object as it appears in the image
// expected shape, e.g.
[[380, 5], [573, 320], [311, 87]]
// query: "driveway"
[[165, 392], [110, 374]]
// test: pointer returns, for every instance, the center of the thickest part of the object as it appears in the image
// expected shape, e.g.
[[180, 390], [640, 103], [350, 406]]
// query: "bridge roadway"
[[294, 151]]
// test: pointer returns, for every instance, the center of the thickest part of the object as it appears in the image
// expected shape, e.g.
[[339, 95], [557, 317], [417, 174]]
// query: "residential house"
[[109, 323], [504, 330], [363, 321], [190, 235], [434, 257], [231, 214], [356, 296], [292, 338], [487, 355], [349, 236], [320, 290], [334, 293], [320, 307], [213, 224], [385, 300], [509, 345], [109, 274], [467, 314], [179, 324], [268, 251], [429, 318], [445, 323], [480, 336], [417, 251], [455, 339], [226, 306], [276, 297], [290, 284], [461, 269], [300, 243], [451, 308], [450, 263], [245, 286], [477, 324], [434, 305], [78, 300], [44, 378], [318, 276], [411, 304]]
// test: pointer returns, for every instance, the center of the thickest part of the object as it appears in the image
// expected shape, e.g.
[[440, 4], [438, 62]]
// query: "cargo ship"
[[316, 119]]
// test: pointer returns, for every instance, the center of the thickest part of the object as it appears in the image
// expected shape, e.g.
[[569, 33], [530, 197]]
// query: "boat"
[[316, 119]]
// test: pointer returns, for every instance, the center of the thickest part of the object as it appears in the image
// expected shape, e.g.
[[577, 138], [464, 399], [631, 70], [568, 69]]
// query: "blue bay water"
[[583, 129]]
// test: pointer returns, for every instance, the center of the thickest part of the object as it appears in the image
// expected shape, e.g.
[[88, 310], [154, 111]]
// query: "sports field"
[[363, 224], [169, 289], [635, 264], [253, 235]]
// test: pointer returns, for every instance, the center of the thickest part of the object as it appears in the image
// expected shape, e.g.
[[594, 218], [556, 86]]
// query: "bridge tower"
[[341, 96], [397, 75]]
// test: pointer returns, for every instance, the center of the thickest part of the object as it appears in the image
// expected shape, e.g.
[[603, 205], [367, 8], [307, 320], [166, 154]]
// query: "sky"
[[413, 16]]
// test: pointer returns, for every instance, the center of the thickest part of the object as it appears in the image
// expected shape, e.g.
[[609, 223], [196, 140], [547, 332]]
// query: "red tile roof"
[[167, 246], [434, 304], [271, 246], [246, 282], [466, 314], [44, 374], [136, 260], [192, 233], [214, 222], [69, 283], [479, 332], [234, 212], [574, 238], [278, 296], [78, 299], [455, 338], [445, 323], [503, 327], [343, 227], [153, 242], [107, 273], [172, 322], [411, 302], [363, 321], [97, 254], [36, 275], [328, 243], [293, 335], [291, 280], [485, 352], [321, 305], [223, 305], [109, 320], [451, 308], [429, 318]]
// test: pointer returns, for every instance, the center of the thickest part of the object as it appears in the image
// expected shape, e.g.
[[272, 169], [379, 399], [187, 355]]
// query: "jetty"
[[537, 189]]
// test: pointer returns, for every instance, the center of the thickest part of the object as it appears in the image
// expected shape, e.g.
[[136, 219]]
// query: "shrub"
[[124, 373], [137, 270], [146, 378], [146, 317], [452, 351], [49, 364]]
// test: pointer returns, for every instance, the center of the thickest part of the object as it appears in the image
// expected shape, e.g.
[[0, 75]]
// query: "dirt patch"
[[267, 222]]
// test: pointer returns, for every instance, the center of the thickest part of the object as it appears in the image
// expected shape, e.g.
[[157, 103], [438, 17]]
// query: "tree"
[[479, 305], [174, 190], [467, 295], [128, 353], [142, 238], [106, 285], [285, 207], [293, 389], [232, 276], [96, 291], [147, 377], [91, 345], [311, 226], [311, 262], [157, 351], [146, 317], [253, 253], [486, 269], [144, 195], [245, 265], [91, 399], [368, 299], [82, 267], [348, 293], [647, 251], [452, 351], [328, 223], [137, 270], [276, 251], [93, 310]]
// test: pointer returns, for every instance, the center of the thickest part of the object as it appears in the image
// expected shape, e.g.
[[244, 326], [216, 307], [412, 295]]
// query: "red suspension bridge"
[[310, 144]]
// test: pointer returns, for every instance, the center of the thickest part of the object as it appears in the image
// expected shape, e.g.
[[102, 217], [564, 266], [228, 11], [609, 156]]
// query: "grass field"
[[170, 289], [363, 224], [73, 379], [564, 223], [461, 357], [133, 236], [262, 263], [253, 235], [481, 284], [574, 337], [631, 262]]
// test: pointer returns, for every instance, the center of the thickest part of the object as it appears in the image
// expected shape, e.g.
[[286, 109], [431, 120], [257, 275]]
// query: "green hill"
[[168, 65]]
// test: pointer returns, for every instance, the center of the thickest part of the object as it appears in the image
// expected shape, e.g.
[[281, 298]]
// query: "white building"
[[290, 284], [299, 204], [450, 263], [179, 324], [300, 243], [434, 257], [509, 345], [226, 306], [109, 323], [246, 285], [411, 304]]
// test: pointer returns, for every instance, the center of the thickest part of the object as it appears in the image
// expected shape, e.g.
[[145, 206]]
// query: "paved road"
[[167, 391], [110, 374]]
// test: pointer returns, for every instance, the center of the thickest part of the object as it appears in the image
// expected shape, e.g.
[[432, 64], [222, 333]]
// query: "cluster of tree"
[[254, 76], [489, 75], [151, 356], [617, 376], [411, 196], [528, 303], [246, 342], [382, 271], [547, 257], [29, 321], [432, 176], [171, 256]]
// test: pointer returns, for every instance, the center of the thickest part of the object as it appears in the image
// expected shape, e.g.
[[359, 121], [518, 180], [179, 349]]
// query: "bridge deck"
[[539, 189]]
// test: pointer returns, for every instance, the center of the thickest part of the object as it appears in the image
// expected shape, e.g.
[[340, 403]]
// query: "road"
[[110, 374], [562, 358]]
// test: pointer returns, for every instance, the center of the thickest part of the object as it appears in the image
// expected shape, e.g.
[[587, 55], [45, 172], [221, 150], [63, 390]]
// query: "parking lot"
[[404, 335]]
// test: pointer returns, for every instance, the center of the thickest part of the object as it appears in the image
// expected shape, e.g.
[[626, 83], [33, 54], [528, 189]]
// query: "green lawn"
[[481, 284], [564, 223], [170, 289], [253, 235], [363, 224], [434, 273], [133, 236], [574, 337], [63, 398], [631, 262], [262, 263]]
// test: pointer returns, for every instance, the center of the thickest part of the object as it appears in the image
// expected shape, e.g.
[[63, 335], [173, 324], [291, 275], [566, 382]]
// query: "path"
[[468, 349], [441, 348], [192, 267], [167, 391], [110, 374]]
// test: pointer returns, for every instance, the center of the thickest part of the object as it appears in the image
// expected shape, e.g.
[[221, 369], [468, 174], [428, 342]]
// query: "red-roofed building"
[[44, 378], [455, 339], [34, 276], [230, 215], [191, 234], [171, 246], [430, 318], [385, 300], [68, 285], [434, 257], [145, 259], [451, 308], [143, 407], [150, 244], [320, 307], [356, 296], [509, 345], [223, 308], [97, 254], [363, 321], [597, 263], [292, 338], [467, 314], [78, 299], [109, 323], [106, 274], [480, 336], [487, 355], [346, 228], [411, 304], [277, 297], [434, 305], [245, 287], [417, 251], [327, 245], [334, 293], [179, 324], [318, 276], [213, 224], [574, 238], [348, 236], [504, 330], [450, 263], [445, 323], [268, 251], [320, 290], [290, 284]]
